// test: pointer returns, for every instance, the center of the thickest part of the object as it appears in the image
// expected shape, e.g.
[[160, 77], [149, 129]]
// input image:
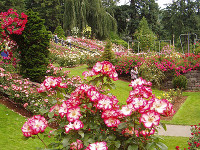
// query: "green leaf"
[[150, 146], [65, 142], [162, 146], [164, 126], [60, 95], [51, 120], [81, 133], [93, 82], [133, 147], [111, 137], [122, 125], [51, 114], [117, 144], [113, 86], [43, 111]]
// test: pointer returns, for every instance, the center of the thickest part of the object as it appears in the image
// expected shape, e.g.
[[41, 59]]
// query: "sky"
[[160, 2]]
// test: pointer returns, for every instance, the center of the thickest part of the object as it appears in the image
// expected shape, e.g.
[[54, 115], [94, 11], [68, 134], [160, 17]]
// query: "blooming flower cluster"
[[89, 111], [76, 145], [97, 146], [36, 124], [105, 68], [51, 82], [142, 101], [11, 22], [16, 87]]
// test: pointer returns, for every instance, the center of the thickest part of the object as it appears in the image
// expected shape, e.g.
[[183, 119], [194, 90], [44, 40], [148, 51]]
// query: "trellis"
[[188, 41]]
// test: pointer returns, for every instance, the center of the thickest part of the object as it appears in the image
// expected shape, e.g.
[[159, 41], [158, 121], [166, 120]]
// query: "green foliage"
[[19, 5], [79, 13], [60, 32], [107, 54], [49, 10], [117, 40], [180, 82], [91, 61], [197, 48], [181, 17], [33, 48], [151, 73], [145, 36]]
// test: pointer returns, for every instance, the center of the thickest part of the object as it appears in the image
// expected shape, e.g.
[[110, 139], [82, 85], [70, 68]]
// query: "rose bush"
[[91, 118]]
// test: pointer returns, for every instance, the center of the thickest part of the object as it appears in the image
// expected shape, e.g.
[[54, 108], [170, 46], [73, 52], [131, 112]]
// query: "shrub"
[[197, 48], [91, 61], [33, 47], [91, 117], [180, 82], [60, 32], [151, 73], [107, 54], [193, 142]]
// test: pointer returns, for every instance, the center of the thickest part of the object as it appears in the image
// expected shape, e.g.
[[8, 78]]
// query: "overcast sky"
[[160, 2]]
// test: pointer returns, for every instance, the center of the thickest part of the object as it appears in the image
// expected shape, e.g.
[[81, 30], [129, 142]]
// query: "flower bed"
[[92, 119]]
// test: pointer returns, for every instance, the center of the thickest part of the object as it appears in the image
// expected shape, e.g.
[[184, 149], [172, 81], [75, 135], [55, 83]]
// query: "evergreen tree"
[[60, 32], [108, 54], [145, 36], [33, 46]]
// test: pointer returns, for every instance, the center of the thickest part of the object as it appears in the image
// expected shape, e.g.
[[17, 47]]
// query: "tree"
[[80, 13], [19, 5], [49, 10], [33, 46], [145, 36], [109, 3], [108, 54], [128, 17], [60, 32], [181, 17]]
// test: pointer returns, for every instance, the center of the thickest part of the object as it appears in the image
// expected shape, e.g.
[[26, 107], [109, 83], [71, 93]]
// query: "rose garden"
[[79, 94]]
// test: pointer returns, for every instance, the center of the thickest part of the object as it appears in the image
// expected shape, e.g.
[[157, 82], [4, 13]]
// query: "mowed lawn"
[[11, 137]]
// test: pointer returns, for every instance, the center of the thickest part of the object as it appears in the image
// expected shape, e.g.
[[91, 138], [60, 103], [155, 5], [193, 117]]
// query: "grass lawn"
[[189, 113], [11, 137], [172, 142]]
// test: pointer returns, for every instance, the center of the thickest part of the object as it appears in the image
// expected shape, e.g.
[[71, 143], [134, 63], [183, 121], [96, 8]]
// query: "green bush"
[[152, 73], [60, 32], [180, 82], [117, 40], [107, 54], [91, 61], [33, 46]]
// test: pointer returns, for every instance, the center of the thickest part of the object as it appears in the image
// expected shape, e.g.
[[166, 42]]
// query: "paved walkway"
[[175, 130]]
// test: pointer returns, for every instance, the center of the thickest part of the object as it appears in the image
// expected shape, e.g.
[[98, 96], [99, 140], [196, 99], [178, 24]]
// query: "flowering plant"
[[193, 142], [90, 118], [11, 23]]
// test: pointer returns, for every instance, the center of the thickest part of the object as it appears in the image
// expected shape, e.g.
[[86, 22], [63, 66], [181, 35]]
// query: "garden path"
[[175, 130]]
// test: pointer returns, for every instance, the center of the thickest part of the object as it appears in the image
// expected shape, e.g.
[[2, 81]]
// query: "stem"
[[42, 141]]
